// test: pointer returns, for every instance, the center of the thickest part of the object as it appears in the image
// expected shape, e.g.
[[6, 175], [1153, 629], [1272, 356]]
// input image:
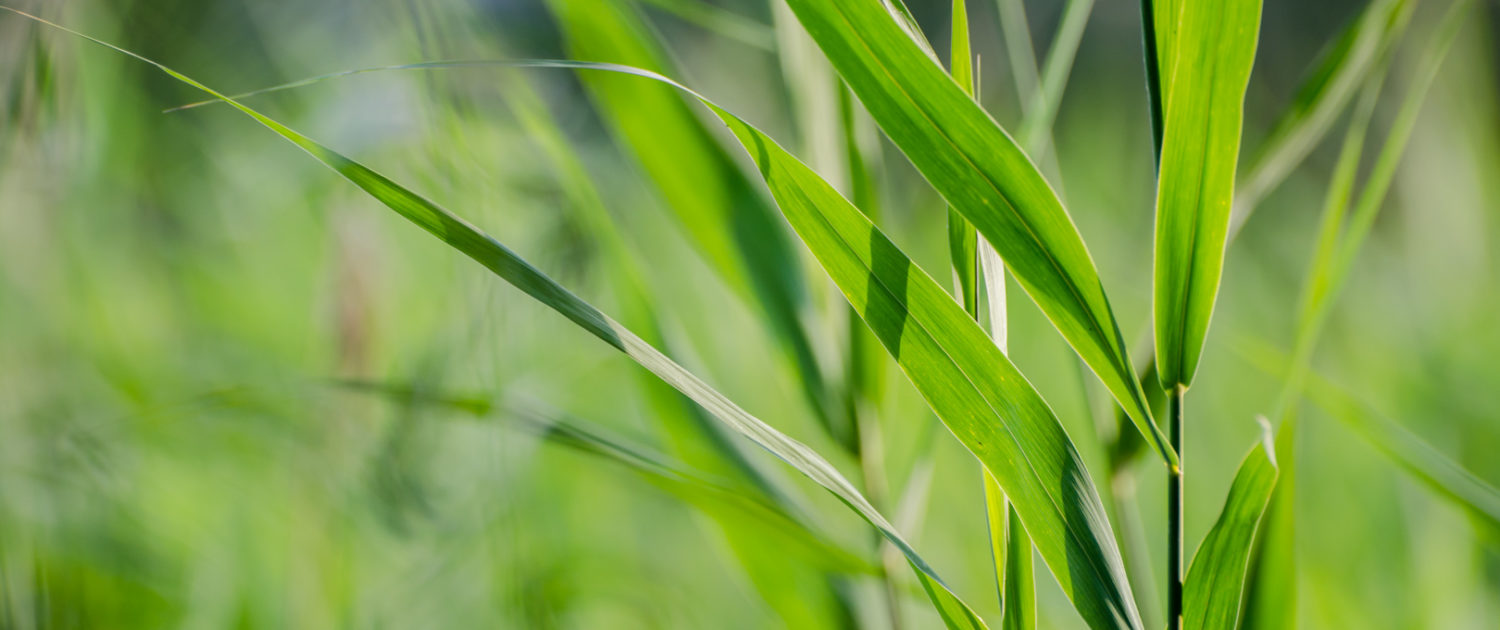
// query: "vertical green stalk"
[[1174, 512]]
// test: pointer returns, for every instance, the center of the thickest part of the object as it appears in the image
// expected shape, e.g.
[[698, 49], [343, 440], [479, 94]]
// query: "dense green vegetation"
[[240, 391]]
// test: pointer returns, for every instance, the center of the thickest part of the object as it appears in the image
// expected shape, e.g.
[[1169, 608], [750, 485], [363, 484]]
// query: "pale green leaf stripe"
[[1211, 595], [485, 250], [1203, 106], [987, 404], [979, 169]]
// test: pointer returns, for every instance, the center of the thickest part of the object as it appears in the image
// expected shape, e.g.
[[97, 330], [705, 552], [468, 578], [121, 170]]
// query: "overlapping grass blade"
[[499, 259], [963, 244], [725, 217], [1211, 594], [1203, 108], [1325, 93], [968, 382], [976, 166]]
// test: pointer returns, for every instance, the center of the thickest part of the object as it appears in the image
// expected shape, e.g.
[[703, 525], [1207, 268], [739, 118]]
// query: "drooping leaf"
[[986, 177], [800, 593], [499, 259], [1203, 107], [725, 217], [965, 378], [1212, 592]]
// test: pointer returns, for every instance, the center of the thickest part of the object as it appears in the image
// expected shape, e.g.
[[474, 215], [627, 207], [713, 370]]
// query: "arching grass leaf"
[[730, 222], [499, 259]]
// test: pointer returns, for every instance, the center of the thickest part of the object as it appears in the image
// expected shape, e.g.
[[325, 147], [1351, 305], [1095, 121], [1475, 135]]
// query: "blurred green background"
[[236, 392]]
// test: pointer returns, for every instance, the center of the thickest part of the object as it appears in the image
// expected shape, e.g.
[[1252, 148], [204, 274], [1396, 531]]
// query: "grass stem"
[[1174, 513]]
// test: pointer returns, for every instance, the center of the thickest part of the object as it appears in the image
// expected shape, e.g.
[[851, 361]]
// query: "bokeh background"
[[237, 392]]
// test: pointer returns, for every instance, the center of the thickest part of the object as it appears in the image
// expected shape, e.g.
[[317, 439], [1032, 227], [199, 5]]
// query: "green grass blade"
[[1203, 108], [499, 259], [799, 592], [1211, 594], [724, 216], [1437, 471], [981, 171], [963, 241], [965, 378], [1325, 93], [1020, 581], [1271, 591], [1036, 126]]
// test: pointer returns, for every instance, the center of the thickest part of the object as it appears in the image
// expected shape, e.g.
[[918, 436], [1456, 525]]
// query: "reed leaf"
[[484, 249], [1211, 594], [1203, 108], [986, 177]]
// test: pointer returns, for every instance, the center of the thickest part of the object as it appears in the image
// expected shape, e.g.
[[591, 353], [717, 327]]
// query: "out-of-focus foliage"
[[236, 392]]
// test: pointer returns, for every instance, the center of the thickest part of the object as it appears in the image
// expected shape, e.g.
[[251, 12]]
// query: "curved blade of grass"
[[722, 213], [1271, 589], [965, 378], [1203, 109], [1211, 595], [799, 594], [1319, 100], [979, 169], [499, 259]]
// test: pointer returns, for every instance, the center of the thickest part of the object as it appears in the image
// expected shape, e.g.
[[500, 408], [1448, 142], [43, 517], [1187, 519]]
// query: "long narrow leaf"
[[981, 171], [499, 259], [1211, 594], [966, 379], [728, 221], [1203, 107], [968, 382]]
